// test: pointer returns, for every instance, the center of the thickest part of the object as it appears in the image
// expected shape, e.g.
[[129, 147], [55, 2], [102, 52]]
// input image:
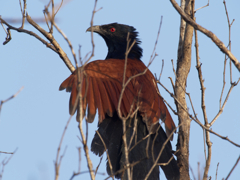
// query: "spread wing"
[[101, 87]]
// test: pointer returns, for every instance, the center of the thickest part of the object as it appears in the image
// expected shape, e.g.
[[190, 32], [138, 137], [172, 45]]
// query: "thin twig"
[[98, 165], [202, 7], [68, 41], [139, 142], [8, 38], [4, 152], [229, 36], [105, 149], [134, 114], [5, 162], [165, 164], [58, 9], [208, 33], [224, 82], [126, 167], [155, 46], [159, 154], [58, 160], [232, 168], [192, 173], [197, 120], [58, 48], [91, 25], [217, 170], [8, 99], [80, 102], [83, 172], [208, 142], [225, 101], [160, 75], [52, 17], [199, 172], [23, 12], [79, 161]]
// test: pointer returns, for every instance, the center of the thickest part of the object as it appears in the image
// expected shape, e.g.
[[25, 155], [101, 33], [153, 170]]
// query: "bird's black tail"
[[111, 132]]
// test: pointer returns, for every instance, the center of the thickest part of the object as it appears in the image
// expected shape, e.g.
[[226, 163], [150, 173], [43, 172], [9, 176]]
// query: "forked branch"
[[208, 33]]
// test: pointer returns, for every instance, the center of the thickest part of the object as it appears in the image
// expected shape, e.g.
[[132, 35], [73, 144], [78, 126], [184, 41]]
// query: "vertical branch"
[[229, 37], [182, 32], [120, 114], [224, 82], [91, 24], [80, 102], [80, 117], [217, 170], [23, 11], [207, 125], [58, 157], [183, 68], [52, 18]]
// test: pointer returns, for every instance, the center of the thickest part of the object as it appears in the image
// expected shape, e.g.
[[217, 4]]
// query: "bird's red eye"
[[113, 29]]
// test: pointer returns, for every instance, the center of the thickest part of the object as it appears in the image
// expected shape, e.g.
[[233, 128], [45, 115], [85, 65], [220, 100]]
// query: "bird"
[[141, 102]]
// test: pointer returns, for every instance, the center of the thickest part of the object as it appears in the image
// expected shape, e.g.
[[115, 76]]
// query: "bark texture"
[[183, 68]]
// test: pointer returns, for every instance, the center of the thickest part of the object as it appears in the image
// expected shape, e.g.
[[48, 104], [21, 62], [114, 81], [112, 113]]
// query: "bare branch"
[[233, 168], [8, 38], [159, 154], [79, 156], [192, 173], [196, 119], [158, 34], [52, 17], [8, 99], [208, 142], [123, 169], [68, 41], [161, 70], [6, 152], [91, 23], [208, 33], [5, 162], [98, 165], [224, 82], [217, 170], [165, 164], [224, 103], [139, 142], [202, 7], [105, 149], [23, 11], [80, 102], [58, 48], [83, 172], [229, 36], [58, 160]]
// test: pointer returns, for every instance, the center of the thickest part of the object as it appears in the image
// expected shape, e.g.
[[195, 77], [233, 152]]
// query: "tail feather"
[[111, 132]]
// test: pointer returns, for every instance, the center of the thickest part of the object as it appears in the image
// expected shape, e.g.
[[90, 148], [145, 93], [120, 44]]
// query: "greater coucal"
[[101, 87]]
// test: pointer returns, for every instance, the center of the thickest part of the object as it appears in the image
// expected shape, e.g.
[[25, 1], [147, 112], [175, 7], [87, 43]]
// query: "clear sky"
[[34, 121]]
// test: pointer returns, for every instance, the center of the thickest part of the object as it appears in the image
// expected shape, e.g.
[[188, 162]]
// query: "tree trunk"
[[183, 68]]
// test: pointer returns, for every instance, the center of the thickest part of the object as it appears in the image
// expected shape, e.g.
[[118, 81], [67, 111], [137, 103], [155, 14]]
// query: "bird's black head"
[[115, 36]]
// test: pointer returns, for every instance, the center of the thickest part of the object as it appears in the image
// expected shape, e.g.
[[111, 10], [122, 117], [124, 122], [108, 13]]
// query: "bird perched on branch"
[[101, 87]]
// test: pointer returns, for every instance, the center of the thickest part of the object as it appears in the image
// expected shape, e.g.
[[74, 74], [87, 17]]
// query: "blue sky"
[[34, 121]]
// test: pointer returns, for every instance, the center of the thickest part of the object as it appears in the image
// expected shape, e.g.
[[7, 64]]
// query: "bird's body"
[[101, 86]]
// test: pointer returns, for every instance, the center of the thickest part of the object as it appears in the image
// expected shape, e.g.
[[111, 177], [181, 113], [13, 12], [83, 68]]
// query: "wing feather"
[[91, 102], [98, 100], [102, 86]]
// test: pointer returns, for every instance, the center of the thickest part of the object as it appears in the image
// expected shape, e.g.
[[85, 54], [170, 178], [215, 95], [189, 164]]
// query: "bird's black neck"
[[118, 50]]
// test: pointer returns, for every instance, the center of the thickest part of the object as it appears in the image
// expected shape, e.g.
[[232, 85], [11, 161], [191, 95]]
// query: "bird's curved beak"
[[93, 29]]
